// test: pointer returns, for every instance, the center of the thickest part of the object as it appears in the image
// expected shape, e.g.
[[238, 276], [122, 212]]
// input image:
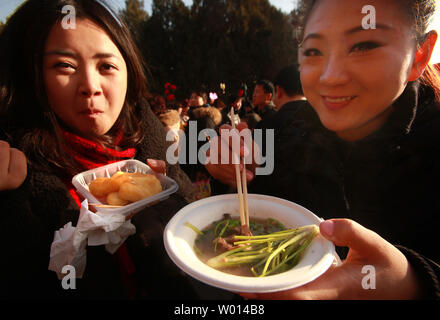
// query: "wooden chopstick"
[[240, 195], [241, 188], [245, 193]]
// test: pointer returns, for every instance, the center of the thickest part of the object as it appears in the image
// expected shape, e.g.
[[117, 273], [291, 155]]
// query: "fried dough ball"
[[120, 177], [100, 187], [114, 199], [123, 188], [139, 187], [118, 174]]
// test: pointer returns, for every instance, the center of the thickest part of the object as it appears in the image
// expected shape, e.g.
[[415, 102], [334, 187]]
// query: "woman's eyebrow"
[[361, 28], [60, 53], [319, 36], [312, 36], [102, 55], [105, 55]]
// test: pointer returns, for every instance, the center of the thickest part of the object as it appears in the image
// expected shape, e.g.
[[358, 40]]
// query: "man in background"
[[288, 87], [262, 98], [288, 98]]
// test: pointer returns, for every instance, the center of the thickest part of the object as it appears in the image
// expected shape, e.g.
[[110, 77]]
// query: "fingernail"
[[327, 227], [244, 151], [152, 162], [249, 175]]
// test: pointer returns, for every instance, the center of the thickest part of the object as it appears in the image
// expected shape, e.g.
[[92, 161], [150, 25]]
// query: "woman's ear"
[[423, 55]]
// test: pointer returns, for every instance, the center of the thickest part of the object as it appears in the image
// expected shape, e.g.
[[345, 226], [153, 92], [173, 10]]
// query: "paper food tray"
[[81, 182]]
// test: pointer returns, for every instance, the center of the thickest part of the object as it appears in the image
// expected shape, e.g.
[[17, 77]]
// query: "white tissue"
[[93, 229]]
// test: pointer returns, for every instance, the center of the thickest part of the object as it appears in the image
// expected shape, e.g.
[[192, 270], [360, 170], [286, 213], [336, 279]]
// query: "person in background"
[[198, 98], [201, 117], [184, 113], [287, 86], [289, 97], [178, 107], [220, 104], [72, 100], [252, 120], [157, 103], [172, 122], [262, 98], [363, 150], [236, 102]]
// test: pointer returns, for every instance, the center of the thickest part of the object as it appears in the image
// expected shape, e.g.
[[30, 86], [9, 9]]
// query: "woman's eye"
[[108, 67], [312, 52], [64, 65], [365, 46]]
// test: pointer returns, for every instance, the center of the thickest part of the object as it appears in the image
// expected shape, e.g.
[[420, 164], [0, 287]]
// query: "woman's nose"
[[334, 71], [89, 85]]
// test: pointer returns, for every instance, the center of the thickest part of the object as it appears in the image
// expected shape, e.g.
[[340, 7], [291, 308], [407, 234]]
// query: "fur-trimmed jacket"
[[212, 113], [31, 214]]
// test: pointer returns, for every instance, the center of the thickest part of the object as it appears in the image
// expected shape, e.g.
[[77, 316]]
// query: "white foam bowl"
[[179, 240]]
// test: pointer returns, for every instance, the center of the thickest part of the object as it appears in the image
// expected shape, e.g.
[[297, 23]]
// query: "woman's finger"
[[158, 166], [13, 167], [17, 168], [4, 160], [241, 126]]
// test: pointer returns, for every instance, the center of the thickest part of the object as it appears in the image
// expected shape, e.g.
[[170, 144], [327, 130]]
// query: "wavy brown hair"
[[24, 107]]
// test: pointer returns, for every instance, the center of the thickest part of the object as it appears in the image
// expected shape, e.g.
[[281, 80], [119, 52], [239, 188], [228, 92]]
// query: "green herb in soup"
[[270, 250]]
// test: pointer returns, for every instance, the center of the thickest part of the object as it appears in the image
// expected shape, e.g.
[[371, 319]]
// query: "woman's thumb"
[[348, 233], [159, 166]]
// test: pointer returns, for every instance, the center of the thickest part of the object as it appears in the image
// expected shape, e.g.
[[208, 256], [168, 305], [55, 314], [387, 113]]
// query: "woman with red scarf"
[[72, 98]]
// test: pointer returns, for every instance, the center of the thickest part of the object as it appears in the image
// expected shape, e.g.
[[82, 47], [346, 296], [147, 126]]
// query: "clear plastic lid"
[[81, 182]]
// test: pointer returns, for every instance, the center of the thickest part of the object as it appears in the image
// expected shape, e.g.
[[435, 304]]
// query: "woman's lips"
[[337, 102], [92, 113]]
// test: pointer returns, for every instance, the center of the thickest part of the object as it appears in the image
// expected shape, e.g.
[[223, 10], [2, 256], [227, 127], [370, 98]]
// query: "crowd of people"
[[212, 110], [357, 142]]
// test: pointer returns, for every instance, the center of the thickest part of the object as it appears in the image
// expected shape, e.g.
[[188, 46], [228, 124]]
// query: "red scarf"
[[90, 155]]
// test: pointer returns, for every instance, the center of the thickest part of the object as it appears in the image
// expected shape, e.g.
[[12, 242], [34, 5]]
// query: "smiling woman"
[[363, 151], [371, 132], [351, 74]]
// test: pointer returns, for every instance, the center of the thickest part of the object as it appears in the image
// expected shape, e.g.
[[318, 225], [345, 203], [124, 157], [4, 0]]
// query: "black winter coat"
[[388, 182], [30, 215]]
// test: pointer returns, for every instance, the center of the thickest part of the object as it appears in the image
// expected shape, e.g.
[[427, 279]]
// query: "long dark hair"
[[419, 12], [24, 106]]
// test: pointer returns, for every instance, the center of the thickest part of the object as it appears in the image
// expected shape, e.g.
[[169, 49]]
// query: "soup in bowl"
[[180, 239]]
